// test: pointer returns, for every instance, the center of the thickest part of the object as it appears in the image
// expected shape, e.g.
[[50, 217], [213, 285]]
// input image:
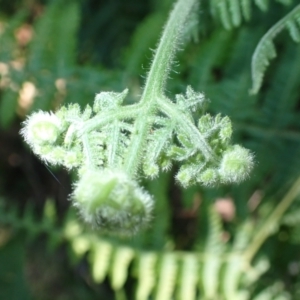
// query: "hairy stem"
[[156, 80], [165, 51], [126, 112]]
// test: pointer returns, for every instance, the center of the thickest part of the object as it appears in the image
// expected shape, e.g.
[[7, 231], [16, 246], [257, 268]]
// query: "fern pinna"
[[217, 270]]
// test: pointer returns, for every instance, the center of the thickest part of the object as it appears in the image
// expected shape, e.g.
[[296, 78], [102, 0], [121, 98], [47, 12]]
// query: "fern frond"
[[80, 246], [119, 272], [189, 277], [285, 2], [167, 276], [253, 273], [265, 50], [100, 259], [273, 292], [213, 256], [294, 30], [246, 9], [235, 10], [262, 4], [171, 274], [146, 274], [221, 9], [235, 264], [232, 12]]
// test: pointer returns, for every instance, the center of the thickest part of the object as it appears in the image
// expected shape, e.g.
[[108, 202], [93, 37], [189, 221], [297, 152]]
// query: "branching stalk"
[[156, 79], [112, 145]]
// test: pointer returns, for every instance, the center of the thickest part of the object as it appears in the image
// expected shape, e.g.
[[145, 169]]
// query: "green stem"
[[164, 54], [112, 148], [123, 113], [155, 83], [268, 227]]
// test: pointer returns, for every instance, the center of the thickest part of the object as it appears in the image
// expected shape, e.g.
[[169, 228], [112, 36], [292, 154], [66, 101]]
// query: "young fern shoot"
[[112, 145]]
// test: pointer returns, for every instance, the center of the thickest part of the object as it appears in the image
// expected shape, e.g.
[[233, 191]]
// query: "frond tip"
[[41, 128], [236, 164], [265, 50], [112, 201]]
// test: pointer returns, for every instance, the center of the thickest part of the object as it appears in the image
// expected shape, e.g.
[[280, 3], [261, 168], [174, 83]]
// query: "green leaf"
[[265, 49]]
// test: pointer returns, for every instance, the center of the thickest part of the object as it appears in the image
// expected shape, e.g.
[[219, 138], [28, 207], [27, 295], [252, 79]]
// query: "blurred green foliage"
[[211, 242]]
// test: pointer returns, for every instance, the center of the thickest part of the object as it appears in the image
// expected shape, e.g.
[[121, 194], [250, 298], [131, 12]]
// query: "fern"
[[225, 272], [189, 277], [146, 274], [100, 259], [232, 12], [167, 276], [212, 263], [122, 259], [152, 134], [265, 50]]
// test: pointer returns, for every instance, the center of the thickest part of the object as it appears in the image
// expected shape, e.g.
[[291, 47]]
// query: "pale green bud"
[[151, 170], [41, 128], [73, 159], [209, 177], [111, 201], [166, 164], [185, 176], [236, 164]]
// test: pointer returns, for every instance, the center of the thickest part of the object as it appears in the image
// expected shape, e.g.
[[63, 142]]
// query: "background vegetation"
[[234, 242]]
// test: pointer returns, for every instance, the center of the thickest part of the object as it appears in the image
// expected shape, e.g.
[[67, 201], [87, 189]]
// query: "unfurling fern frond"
[[265, 49]]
